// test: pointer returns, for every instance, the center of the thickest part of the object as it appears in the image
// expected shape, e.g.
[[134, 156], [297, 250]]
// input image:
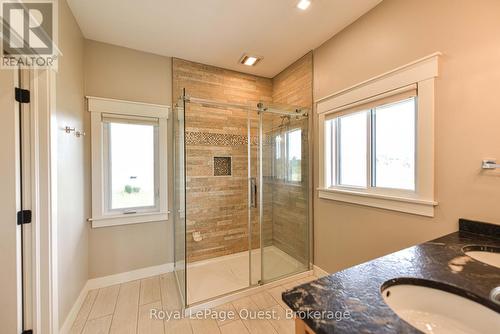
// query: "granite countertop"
[[439, 263]]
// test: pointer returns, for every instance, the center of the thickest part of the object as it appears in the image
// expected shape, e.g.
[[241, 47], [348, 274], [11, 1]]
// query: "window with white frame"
[[374, 147], [377, 141], [128, 162]]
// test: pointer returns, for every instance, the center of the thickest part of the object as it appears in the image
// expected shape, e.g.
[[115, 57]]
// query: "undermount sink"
[[486, 254], [436, 311]]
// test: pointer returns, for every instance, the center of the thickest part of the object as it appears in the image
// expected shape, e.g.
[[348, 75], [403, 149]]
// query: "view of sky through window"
[[132, 165]]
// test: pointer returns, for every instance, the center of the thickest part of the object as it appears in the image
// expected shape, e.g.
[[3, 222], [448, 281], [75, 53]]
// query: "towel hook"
[[490, 164], [78, 133]]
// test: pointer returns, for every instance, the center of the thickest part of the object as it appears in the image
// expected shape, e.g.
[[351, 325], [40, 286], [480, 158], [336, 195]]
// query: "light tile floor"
[[125, 308]]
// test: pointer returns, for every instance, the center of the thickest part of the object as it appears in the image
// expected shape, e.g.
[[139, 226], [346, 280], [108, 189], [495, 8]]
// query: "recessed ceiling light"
[[250, 60], [304, 4]]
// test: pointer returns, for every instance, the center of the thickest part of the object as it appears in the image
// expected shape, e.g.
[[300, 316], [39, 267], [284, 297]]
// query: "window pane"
[[395, 145], [278, 161], [353, 149], [132, 165], [278, 146], [294, 149], [329, 152]]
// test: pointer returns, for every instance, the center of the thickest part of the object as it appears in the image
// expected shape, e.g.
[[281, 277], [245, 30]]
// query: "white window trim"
[[420, 202], [98, 105]]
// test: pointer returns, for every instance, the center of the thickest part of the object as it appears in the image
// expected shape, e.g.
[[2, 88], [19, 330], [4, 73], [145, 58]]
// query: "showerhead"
[[261, 106], [284, 119]]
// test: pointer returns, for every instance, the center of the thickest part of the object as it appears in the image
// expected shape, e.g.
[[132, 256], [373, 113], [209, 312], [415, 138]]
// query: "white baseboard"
[[102, 282], [319, 272], [70, 319]]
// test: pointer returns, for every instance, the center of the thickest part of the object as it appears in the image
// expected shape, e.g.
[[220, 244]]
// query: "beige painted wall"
[[467, 116], [73, 174], [121, 73]]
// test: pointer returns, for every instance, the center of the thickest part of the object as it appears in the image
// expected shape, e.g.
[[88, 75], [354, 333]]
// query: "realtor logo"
[[28, 33]]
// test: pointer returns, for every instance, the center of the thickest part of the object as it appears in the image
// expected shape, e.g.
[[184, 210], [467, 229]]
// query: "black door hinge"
[[22, 95], [27, 331], [23, 217]]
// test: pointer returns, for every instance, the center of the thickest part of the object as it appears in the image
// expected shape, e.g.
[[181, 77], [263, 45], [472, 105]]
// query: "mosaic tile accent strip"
[[217, 139], [222, 166]]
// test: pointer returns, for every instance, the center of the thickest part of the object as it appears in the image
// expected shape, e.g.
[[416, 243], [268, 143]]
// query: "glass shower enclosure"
[[179, 206], [241, 195]]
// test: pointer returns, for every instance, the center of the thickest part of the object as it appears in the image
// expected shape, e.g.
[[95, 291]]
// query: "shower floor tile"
[[215, 277]]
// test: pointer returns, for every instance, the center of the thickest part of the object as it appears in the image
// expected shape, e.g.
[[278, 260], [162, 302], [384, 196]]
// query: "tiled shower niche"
[[222, 166]]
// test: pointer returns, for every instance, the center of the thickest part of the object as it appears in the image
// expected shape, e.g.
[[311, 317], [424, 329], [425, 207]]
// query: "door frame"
[[44, 110], [40, 190]]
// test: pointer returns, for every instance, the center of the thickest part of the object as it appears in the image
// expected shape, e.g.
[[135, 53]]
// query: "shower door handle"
[[253, 189]]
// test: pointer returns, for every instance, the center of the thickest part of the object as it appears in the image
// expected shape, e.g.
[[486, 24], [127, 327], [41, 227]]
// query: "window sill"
[[402, 204], [137, 218]]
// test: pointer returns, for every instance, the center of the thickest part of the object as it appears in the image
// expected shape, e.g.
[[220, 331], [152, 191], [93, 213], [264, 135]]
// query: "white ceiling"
[[218, 32]]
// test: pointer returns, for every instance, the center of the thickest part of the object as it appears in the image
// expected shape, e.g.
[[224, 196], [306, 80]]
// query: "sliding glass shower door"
[[284, 188]]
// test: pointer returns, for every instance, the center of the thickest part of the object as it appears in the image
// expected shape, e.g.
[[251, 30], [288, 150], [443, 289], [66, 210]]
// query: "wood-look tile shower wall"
[[217, 205]]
